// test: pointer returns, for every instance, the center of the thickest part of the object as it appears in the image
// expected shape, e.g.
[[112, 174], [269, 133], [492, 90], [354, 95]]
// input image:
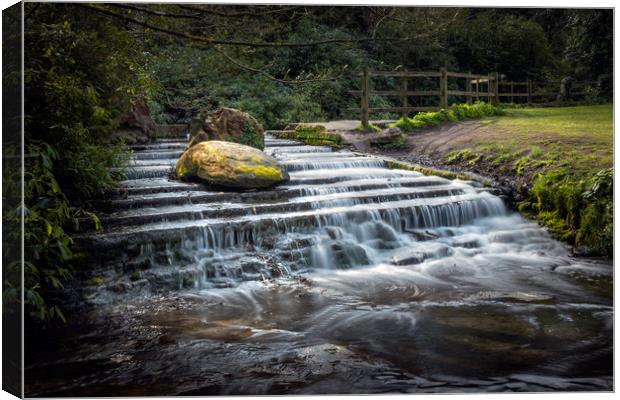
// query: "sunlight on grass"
[[577, 138]]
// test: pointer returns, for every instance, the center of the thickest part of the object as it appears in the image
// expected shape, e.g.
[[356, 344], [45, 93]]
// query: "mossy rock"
[[227, 124], [201, 136], [231, 165], [315, 135]]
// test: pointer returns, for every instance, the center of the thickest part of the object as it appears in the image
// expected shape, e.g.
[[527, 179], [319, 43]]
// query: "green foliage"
[[580, 212], [191, 78], [455, 113], [81, 73], [252, 136], [370, 128], [519, 47]]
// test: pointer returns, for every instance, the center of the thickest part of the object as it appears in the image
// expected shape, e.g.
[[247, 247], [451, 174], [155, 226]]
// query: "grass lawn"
[[562, 158], [574, 140]]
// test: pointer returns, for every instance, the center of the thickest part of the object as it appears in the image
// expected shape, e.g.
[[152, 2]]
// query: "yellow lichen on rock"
[[261, 171], [231, 165]]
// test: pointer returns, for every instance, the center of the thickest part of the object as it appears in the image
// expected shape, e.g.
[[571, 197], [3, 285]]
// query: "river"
[[350, 278]]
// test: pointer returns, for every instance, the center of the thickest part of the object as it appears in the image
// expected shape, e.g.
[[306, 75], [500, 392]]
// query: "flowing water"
[[350, 278]]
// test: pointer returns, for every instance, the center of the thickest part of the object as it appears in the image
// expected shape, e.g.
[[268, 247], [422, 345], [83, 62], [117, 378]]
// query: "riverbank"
[[545, 159]]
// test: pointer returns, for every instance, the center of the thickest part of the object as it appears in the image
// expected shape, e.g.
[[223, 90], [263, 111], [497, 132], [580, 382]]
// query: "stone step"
[[340, 164], [158, 146], [157, 171], [200, 194], [216, 209], [158, 154], [415, 213]]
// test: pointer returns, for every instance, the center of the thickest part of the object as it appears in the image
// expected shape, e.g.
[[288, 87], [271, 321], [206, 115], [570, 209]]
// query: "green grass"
[[370, 128], [561, 154]]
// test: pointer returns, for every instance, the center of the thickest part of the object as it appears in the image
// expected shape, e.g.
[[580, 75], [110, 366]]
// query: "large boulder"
[[229, 125], [136, 125], [230, 164]]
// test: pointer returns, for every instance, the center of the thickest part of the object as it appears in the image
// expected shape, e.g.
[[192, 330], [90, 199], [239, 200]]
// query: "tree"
[[81, 71]]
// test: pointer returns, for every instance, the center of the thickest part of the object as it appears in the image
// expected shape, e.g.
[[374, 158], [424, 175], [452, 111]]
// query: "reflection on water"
[[352, 278]]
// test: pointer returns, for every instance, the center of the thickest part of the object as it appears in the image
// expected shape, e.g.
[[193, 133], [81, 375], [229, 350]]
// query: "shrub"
[[453, 114], [82, 73]]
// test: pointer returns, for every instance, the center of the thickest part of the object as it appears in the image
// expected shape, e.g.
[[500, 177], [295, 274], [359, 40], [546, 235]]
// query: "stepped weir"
[[350, 278]]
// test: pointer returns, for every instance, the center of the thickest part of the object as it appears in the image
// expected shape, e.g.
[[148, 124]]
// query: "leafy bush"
[[82, 72], [453, 114]]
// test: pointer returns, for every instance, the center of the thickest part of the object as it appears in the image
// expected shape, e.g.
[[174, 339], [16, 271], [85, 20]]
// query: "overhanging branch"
[[212, 41], [239, 64]]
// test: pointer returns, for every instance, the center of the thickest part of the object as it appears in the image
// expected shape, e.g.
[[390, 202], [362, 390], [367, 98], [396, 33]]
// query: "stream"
[[350, 278]]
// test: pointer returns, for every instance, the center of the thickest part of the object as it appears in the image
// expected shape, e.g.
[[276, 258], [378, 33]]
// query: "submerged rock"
[[229, 125], [231, 165]]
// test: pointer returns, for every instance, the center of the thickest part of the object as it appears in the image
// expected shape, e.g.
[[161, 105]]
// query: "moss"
[[315, 135], [557, 225], [579, 212], [260, 171], [94, 281], [229, 164], [596, 229]]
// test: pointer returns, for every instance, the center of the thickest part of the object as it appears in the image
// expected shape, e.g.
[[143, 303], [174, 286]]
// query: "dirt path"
[[438, 141], [433, 141]]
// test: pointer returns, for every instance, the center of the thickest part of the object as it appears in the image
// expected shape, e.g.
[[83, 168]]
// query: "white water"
[[349, 278]]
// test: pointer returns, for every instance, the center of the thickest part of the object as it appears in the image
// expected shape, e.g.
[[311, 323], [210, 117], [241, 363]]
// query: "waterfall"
[[350, 278], [339, 211]]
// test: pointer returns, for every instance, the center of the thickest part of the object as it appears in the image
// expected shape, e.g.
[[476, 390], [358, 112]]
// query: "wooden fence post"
[[512, 91], [478, 89], [528, 86], [443, 88], [365, 102], [495, 88], [489, 88], [404, 100], [468, 89]]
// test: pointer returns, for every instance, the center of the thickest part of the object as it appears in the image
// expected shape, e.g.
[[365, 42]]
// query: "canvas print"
[[237, 199]]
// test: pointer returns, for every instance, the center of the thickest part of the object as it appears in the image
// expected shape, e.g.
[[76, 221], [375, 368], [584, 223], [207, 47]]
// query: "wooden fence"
[[476, 87]]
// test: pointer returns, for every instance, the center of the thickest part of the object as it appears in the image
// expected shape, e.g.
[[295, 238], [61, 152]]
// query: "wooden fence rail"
[[477, 87]]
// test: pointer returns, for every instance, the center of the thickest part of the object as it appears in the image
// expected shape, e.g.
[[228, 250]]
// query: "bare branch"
[[238, 14], [211, 41], [155, 12], [238, 64]]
